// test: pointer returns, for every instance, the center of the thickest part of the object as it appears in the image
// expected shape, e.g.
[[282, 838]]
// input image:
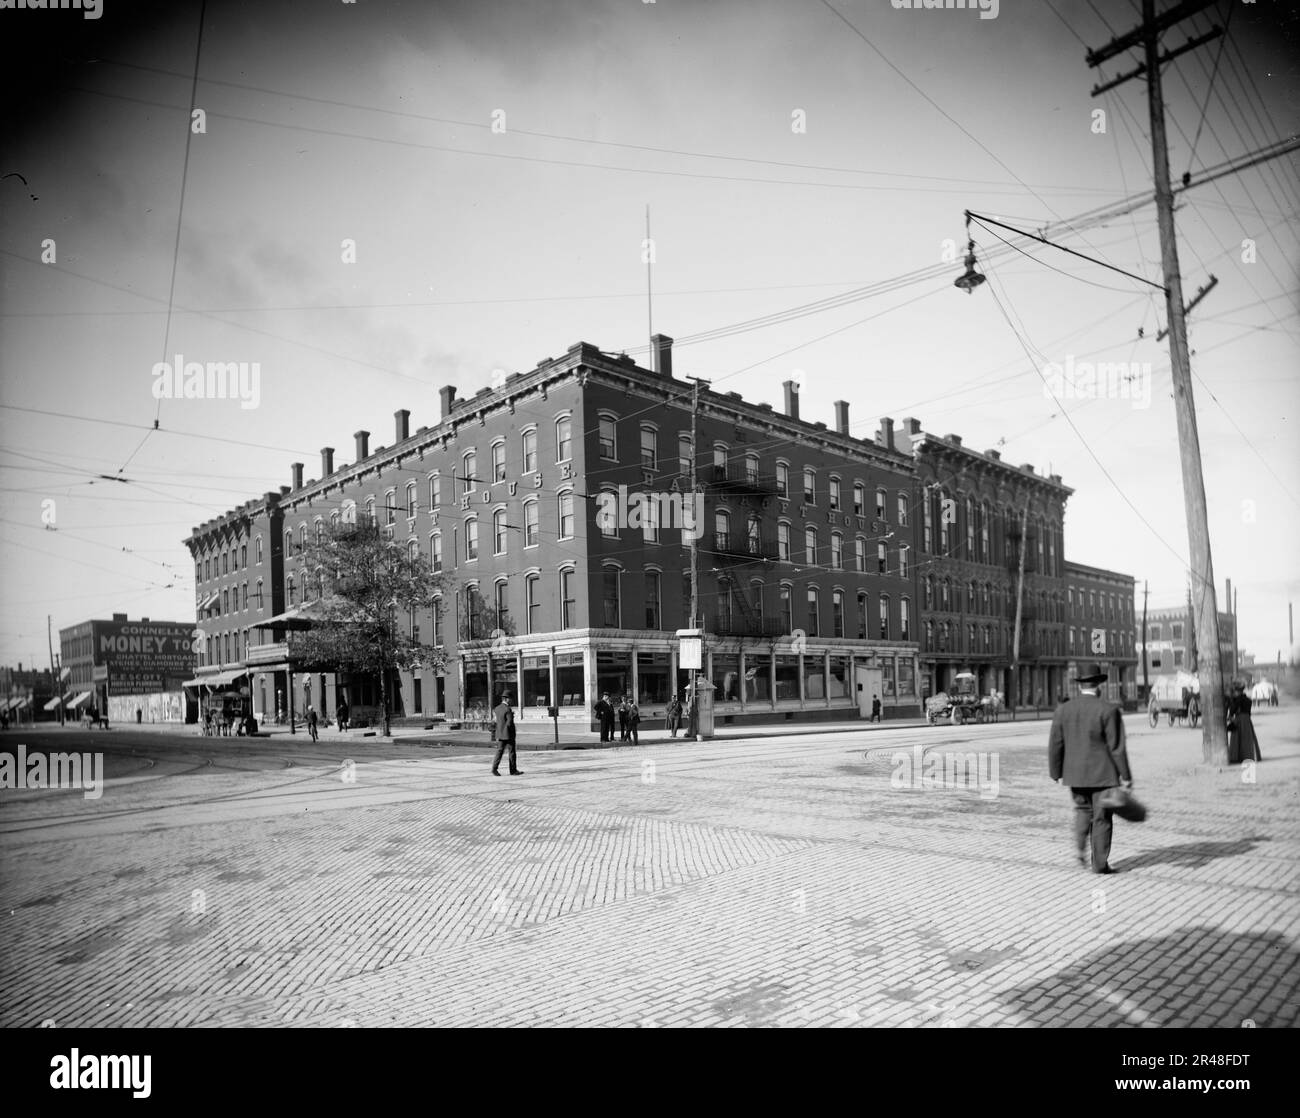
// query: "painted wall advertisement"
[[144, 657]]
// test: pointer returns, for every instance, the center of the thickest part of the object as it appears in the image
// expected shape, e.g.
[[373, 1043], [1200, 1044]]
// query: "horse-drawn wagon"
[[1177, 696], [963, 703]]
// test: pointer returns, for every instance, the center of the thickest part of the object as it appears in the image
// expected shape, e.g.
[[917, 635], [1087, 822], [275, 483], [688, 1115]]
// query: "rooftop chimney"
[[297, 475], [791, 399], [911, 427], [996, 455], [363, 444], [661, 354], [448, 394], [403, 417], [842, 416], [326, 461], [887, 432], [954, 439]]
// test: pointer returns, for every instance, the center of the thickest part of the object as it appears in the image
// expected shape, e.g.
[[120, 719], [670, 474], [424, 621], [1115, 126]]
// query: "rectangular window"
[[880, 504], [902, 511], [719, 463], [782, 480], [435, 553], [499, 462], [837, 552], [410, 510], [532, 589], [882, 558], [433, 492], [565, 503], [837, 613], [859, 500], [835, 493], [530, 524], [783, 542], [813, 613], [471, 539], [503, 606], [568, 610], [787, 610], [810, 546], [652, 612], [649, 449], [884, 617], [563, 439], [905, 622], [684, 455], [530, 452], [610, 596], [810, 487], [860, 555], [650, 519], [608, 442]]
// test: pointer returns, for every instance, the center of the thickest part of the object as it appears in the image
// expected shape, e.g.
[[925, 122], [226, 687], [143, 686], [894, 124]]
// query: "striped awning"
[[80, 701]]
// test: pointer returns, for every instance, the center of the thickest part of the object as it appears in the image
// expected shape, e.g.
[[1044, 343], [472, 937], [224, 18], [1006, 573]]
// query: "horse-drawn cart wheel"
[[1153, 716]]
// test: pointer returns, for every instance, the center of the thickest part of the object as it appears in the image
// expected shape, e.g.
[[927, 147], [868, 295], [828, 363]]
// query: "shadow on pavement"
[[1192, 855], [1201, 976]]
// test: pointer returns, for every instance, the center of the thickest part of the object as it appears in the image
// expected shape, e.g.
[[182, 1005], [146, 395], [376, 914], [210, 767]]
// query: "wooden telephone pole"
[[1214, 742]]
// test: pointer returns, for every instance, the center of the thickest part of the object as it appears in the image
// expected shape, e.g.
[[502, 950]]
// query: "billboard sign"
[[144, 656]]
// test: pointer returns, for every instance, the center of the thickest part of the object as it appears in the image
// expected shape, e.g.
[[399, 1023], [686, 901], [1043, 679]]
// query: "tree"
[[370, 588]]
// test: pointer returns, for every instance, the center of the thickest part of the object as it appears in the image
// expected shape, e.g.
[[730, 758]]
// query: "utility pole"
[[1020, 597], [1146, 656], [56, 670], [1214, 740], [695, 552]]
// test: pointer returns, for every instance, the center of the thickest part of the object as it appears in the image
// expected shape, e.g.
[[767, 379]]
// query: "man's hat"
[[1091, 673]]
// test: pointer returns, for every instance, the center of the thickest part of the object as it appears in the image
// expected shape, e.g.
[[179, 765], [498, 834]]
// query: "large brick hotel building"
[[812, 547]]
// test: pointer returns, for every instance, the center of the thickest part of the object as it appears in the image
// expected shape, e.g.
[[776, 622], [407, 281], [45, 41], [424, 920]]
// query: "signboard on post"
[[690, 652]]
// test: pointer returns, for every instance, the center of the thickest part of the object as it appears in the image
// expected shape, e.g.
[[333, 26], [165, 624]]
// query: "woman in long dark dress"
[[1243, 745]]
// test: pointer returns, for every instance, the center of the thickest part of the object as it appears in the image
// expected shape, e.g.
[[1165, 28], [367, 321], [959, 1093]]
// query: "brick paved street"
[[773, 881]]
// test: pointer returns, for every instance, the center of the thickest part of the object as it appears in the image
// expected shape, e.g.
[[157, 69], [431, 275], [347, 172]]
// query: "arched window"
[[608, 436], [783, 541], [412, 551], [902, 560], [783, 479], [257, 548], [243, 556], [786, 603], [833, 493], [610, 596], [751, 469], [499, 532], [468, 478], [719, 462], [837, 613], [884, 617], [290, 591], [528, 449], [410, 500], [902, 510], [564, 508], [837, 551], [499, 460], [684, 454], [810, 546], [882, 507], [970, 529], [905, 619], [501, 604], [649, 448], [809, 486], [722, 530], [882, 558], [471, 539], [563, 439], [531, 531], [860, 554], [814, 613], [753, 534], [434, 497]]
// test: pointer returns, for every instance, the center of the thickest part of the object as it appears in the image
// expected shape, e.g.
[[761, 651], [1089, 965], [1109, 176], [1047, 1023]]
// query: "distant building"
[[120, 666], [1171, 640], [1099, 606], [26, 692]]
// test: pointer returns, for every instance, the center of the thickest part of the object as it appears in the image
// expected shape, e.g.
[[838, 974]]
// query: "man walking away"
[[505, 735], [875, 708], [312, 723], [1086, 752]]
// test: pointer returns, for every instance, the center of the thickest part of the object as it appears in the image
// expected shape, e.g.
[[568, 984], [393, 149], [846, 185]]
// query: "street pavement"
[[800, 879]]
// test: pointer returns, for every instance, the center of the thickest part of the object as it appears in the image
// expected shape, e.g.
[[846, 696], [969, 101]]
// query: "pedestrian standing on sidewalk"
[[622, 718], [343, 715], [1086, 752], [875, 708], [605, 712], [633, 720], [504, 732], [673, 716], [1243, 745], [312, 723]]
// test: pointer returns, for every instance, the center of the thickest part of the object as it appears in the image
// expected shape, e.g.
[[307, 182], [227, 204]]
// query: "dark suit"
[[605, 713], [1086, 752], [504, 733]]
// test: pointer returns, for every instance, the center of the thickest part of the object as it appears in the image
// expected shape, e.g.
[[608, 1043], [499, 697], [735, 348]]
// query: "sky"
[[383, 198]]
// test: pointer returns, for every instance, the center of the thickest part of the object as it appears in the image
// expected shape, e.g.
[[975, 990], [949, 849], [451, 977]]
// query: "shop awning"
[[19, 704], [217, 679], [65, 675], [80, 701], [4, 706], [54, 704], [209, 600], [301, 617]]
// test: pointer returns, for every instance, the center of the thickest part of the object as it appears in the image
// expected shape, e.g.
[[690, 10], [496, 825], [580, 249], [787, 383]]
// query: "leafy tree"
[[369, 588]]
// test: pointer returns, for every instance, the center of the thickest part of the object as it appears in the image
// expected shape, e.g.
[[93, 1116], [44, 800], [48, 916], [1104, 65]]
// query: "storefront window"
[[569, 683], [652, 677], [537, 682], [476, 684], [906, 676], [841, 678], [758, 680], [726, 677], [505, 679], [814, 678], [887, 676], [787, 677], [614, 673]]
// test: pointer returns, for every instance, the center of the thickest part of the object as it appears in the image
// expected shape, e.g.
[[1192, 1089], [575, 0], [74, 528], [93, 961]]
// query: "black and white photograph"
[[651, 514]]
